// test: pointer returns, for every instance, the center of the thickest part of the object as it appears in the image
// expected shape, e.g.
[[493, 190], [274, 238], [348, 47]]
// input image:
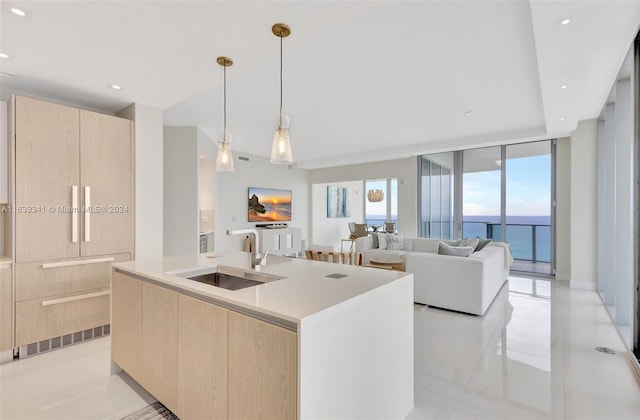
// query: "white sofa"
[[465, 284]]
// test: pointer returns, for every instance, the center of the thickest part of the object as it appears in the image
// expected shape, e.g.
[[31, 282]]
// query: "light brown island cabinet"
[[160, 344], [74, 215], [6, 318], [262, 369], [202, 360], [126, 318]]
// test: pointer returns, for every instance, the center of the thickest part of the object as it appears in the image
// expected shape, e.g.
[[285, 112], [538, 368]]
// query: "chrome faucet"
[[256, 258]]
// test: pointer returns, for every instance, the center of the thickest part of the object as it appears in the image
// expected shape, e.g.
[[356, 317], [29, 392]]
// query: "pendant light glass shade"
[[281, 145], [224, 159]]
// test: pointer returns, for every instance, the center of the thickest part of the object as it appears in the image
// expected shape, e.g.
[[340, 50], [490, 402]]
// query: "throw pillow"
[[382, 240], [482, 243], [374, 236], [395, 242], [472, 242], [457, 251]]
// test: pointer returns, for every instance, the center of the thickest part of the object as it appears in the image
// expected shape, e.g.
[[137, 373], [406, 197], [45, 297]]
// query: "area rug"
[[155, 411], [419, 307]]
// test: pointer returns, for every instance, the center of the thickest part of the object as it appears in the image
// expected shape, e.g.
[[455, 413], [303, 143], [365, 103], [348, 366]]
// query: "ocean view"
[[519, 233]]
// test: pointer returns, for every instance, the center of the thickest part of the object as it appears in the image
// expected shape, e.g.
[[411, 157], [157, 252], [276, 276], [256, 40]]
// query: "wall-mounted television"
[[269, 205]]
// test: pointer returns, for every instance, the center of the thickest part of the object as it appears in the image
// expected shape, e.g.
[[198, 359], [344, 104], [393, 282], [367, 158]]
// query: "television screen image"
[[269, 205]]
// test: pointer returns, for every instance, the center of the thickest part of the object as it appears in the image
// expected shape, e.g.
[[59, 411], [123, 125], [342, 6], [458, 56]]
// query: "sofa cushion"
[[482, 243], [394, 242], [382, 240], [458, 251], [472, 242]]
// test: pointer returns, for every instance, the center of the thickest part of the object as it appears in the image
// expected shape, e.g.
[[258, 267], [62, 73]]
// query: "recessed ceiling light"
[[565, 21], [563, 86], [114, 86], [18, 11], [562, 118], [468, 113], [3, 55]]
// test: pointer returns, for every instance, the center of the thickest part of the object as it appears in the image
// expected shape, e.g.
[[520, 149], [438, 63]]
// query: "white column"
[[148, 155]]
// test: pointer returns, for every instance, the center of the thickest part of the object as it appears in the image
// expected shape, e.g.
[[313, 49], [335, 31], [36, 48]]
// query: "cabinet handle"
[[87, 214], [77, 262], [74, 298], [74, 213]]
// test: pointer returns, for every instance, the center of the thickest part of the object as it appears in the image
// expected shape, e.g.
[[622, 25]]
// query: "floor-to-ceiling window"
[[436, 190], [528, 205], [381, 201], [502, 192], [481, 192]]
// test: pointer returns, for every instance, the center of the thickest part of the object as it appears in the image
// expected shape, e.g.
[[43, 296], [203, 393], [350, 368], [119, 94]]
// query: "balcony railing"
[[528, 242]]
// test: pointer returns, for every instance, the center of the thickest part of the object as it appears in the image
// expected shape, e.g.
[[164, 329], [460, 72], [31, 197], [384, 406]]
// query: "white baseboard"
[[582, 285]]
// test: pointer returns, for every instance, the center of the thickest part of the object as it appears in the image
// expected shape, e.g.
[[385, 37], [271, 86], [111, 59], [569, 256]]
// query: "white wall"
[[329, 231], [406, 170], [232, 196], [148, 179], [584, 204], [181, 191], [563, 209]]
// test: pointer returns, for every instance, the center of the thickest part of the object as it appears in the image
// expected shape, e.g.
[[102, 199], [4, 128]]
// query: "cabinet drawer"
[[39, 319], [50, 278]]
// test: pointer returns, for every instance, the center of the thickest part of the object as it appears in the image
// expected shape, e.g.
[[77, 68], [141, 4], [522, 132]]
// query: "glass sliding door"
[[528, 206], [482, 193]]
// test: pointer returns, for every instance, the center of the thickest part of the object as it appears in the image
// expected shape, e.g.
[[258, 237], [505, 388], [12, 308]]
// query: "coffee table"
[[392, 263]]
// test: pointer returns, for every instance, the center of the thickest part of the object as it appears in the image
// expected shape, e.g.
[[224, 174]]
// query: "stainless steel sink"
[[231, 278]]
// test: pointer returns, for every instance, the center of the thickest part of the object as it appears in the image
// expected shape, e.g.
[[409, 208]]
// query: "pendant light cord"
[[224, 139], [281, 76]]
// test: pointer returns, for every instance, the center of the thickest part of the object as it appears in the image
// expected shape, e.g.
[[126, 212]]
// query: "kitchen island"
[[310, 340]]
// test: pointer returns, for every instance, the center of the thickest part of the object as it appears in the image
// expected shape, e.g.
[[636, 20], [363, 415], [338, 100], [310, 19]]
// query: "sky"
[[528, 189]]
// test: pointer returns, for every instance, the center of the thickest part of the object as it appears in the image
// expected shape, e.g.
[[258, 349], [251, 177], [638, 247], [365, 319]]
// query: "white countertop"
[[303, 292], [5, 262]]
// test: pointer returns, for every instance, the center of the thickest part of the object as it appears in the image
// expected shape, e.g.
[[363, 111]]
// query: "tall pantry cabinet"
[[73, 217]]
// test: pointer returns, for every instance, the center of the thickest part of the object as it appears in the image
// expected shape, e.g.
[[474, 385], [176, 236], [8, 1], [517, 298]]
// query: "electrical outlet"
[[234, 218]]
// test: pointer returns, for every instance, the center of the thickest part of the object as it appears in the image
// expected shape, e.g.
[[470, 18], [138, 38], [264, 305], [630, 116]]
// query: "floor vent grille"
[[63, 341]]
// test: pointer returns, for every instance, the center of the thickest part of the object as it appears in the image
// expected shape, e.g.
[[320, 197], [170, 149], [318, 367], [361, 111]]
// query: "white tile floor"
[[531, 356]]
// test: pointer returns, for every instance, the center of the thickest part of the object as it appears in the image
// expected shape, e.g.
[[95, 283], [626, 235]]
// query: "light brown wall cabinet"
[[228, 365], [74, 215]]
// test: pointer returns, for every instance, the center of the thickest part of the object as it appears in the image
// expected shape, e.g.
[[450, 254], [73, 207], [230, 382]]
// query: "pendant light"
[[224, 160], [375, 196], [281, 146]]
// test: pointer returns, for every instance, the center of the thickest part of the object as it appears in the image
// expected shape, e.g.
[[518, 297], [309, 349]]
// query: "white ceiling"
[[363, 81]]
